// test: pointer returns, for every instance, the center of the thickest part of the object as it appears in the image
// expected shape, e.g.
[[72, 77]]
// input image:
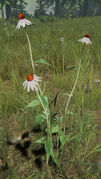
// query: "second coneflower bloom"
[[31, 82], [22, 21], [85, 39]]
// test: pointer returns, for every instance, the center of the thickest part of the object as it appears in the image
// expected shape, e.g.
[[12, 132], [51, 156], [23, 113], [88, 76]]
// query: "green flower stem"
[[41, 101], [40, 90], [30, 52], [72, 90], [48, 121], [32, 58], [73, 86]]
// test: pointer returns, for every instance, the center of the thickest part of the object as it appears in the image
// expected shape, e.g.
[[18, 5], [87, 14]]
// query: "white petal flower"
[[61, 39], [31, 82], [22, 21], [27, 22], [85, 39]]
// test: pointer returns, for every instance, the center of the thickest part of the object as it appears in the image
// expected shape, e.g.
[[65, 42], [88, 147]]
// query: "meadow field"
[[65, 143]]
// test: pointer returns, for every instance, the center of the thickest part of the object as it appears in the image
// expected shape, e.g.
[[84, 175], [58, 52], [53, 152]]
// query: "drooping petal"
[[36, 88], [37, 78], [28, 88], [27, 22], [32, 87], [24, 83], [18, 26], [23, 22], [85, 40]]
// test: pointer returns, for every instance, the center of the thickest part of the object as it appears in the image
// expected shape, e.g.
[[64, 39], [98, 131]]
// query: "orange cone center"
[[29, 77], [21, 16], [87, 35]]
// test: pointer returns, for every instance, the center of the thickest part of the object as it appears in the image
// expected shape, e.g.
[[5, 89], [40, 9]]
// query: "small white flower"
[[61, 39], [85, 39], [31, 82], [22, 21]]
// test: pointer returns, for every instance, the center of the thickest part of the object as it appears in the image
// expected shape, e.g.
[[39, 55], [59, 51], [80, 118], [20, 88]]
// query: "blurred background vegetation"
[[59, 8]]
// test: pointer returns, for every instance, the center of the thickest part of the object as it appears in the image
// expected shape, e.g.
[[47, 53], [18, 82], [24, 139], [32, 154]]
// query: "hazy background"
[[59, 8], [31, 6]]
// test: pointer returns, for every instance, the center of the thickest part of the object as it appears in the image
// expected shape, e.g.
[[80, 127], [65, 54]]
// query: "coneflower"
[[22, 21], [31, 82], [85, 39]]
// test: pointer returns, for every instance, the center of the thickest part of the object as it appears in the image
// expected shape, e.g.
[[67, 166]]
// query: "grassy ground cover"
[[79, 155]]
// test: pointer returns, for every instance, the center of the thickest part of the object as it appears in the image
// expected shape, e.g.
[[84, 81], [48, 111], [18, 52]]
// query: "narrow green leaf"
[[43, 62], [39, 118], [63, 139], [54, 129], [67, 94], [41, 140], [95, 149], [77, 137], [55, 159], [45, 101], [33, 104], [48, 149], [45, 114]]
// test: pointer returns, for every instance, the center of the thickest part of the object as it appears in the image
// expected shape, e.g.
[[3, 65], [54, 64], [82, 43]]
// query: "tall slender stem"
[[73, 86], [30, 52], [48, 122]]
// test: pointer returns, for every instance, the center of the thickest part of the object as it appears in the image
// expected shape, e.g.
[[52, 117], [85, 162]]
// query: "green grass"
[[80, 156]]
